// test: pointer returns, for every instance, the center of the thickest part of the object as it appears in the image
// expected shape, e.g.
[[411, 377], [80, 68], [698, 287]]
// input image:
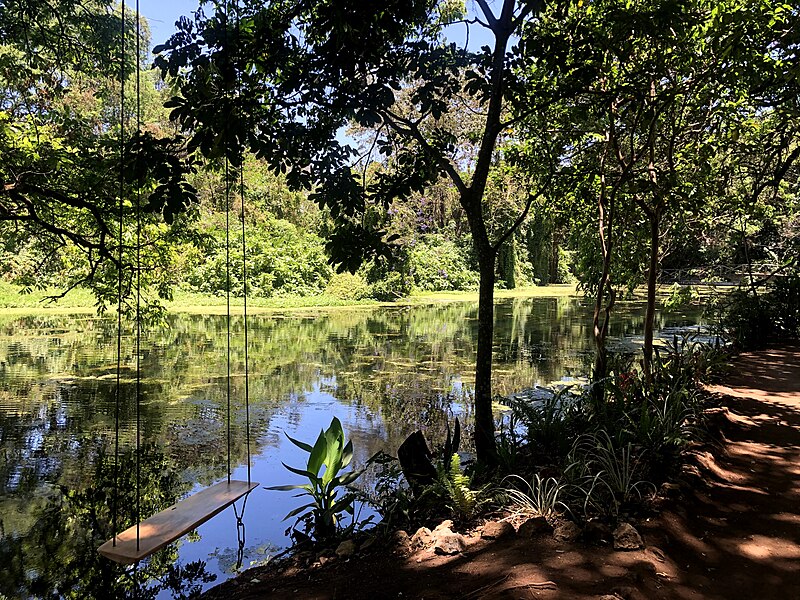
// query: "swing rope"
[[228, 297], [168, 525], [119, 271], [246, 358], [242, 216], [138, 281]]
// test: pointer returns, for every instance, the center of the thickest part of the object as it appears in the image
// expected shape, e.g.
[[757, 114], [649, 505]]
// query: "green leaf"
[[286, 488], [347, 478], [298, 510], [318, 452], [347, 455], [299, 444], [312, 476]]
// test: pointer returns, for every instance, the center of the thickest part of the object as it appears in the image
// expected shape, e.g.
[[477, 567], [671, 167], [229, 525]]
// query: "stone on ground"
[[346, 549], [422, 539], [535, 526], [627, 538], [495, 530], [448, 543], [566, 531]]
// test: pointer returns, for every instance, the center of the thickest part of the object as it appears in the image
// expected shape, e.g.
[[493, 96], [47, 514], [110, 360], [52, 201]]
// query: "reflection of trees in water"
[[57, 556], [406, 368]]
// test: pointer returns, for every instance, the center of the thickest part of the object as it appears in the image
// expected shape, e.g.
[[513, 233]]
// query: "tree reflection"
[[400, 369], [57, 557]]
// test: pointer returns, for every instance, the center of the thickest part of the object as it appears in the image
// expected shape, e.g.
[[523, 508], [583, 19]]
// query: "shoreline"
[[12, 302]]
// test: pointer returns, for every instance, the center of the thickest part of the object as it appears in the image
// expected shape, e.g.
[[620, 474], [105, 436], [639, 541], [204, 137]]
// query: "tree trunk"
[[485, 449], [650, 314], [600, 330]]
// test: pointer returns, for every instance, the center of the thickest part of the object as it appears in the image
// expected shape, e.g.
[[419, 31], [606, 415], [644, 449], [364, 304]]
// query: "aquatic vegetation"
[[328, 487]]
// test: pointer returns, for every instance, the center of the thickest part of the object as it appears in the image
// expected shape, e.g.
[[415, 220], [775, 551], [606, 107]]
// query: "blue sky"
[[162, 15]]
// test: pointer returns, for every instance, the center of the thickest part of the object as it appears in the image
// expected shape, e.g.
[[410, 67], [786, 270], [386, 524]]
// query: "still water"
[[383, 372]]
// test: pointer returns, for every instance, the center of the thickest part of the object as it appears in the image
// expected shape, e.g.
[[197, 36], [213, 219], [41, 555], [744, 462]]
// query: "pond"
[[383, 371]]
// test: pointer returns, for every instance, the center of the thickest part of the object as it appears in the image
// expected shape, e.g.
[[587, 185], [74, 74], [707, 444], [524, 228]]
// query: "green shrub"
[[565, 259], [388, 278], [281, 260], [550, 420], [346, 286], [753, 320], [536, 497], [439, 264], [456, 491], [604, 474]]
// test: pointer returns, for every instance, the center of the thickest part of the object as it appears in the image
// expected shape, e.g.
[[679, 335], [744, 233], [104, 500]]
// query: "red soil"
[[733, 534]]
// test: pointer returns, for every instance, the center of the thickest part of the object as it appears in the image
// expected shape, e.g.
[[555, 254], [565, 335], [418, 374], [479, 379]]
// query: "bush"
[[604, 474], [281, 260], [439, 264], [346, 286], [753, 320], [392, 286], [551, 420]]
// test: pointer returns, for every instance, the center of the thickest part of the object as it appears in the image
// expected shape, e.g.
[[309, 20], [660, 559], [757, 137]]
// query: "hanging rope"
[[228, 296], [138, 279], [209, 498], [246, 359], [244, 281], [115, 502], [228, 252]]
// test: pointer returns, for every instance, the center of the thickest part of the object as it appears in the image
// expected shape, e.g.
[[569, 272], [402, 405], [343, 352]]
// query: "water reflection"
[[383, 372]]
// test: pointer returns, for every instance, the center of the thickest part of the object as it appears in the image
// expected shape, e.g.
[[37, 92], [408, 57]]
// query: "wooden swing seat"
[[167, 526]]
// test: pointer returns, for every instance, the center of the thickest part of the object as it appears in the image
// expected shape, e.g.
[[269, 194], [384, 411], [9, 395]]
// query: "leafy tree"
[[64, 166], [284, 77], [643, 93]]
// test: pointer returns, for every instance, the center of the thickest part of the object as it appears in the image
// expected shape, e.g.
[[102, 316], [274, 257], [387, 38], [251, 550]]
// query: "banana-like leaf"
[[347, 478], [343, 505], [299, 444], [318, 453], [298, 510], [312, 476], [347, 455], [286, 488]]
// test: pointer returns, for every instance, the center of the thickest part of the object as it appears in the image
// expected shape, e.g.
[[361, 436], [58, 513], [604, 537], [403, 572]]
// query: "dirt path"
[[736, 536]]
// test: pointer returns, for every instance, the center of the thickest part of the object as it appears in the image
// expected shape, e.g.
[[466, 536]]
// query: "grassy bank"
[[13, 300]]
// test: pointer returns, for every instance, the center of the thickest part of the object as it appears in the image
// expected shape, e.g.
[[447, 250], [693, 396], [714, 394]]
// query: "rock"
[[597, 532], [448, 543], [627, 538], [415, 457], [422, 539], [535, 526], [566, 531], [323, 560], [669, 489], [346, 549], [400, 537], [402, 543], [495, 530], [446, 524]]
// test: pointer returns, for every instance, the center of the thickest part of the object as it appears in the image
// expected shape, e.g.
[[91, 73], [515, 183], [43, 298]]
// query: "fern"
[[463, 499]]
